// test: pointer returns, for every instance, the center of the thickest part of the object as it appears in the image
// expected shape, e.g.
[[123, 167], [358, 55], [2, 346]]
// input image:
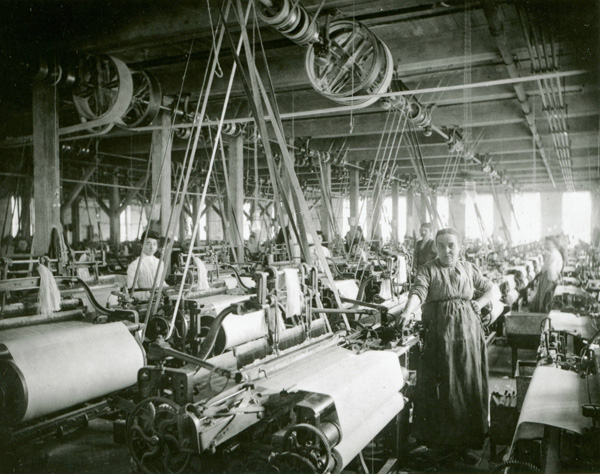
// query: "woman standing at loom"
[[142, 272], [549, 274], [451, 402]]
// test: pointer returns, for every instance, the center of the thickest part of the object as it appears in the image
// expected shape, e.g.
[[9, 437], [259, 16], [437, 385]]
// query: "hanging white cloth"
[[202, 274]]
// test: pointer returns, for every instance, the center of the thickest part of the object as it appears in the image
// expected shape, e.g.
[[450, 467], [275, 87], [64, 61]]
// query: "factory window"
[[526, 227], [443, 209], [387, 216], [342, 208], [402, 218], [15, 205], [475, 225], [577, 215], [131, 227]]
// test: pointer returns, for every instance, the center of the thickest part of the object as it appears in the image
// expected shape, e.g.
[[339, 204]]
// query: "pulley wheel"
[[146, 100], [275, 15], [104, 89], [355, 63]]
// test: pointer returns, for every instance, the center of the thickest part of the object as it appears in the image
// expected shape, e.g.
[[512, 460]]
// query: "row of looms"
[[210, 218]]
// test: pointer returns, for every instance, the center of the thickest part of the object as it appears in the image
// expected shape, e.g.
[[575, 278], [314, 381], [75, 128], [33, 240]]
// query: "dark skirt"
[[451, 400]]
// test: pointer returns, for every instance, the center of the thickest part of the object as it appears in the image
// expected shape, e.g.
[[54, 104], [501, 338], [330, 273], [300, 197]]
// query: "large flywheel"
[[103, 92], [153, 430], [146, 100], [350, 62]]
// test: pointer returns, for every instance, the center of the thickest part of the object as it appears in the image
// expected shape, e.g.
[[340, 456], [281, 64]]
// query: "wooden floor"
[[92, 451]]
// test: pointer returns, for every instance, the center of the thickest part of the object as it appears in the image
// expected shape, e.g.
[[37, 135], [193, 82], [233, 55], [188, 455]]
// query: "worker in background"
[[148, 268], [313, 251], [22, 247], [354, 238], [554, 260], [451, 397], [424, 248]]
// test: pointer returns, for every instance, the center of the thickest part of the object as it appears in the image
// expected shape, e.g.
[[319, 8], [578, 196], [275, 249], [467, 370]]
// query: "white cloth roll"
[[554, 398], [570, 323], [365, 389], [65, 366]]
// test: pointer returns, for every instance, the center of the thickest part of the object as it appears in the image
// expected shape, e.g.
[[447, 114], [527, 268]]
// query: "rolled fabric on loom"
[[53, 368]]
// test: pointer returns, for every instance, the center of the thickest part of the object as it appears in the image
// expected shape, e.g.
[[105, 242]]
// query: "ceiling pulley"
[[354, 62]]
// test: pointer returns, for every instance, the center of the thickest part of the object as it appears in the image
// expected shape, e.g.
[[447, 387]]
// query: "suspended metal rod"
[[348, 108], [497, 30]]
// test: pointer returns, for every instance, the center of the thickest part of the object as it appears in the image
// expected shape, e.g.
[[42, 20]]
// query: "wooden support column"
[[114, 215], [46, 166], [595, 210], [161, 170], [26, 208], [235, 210], [395, 211], [75, 221], [423, 209], [182, 226], [354, 195], [325, 202], [410, 214], [376, 204]]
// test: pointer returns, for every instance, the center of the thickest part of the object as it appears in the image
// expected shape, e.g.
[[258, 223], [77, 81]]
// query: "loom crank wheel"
[[153, 437], [310, 443]]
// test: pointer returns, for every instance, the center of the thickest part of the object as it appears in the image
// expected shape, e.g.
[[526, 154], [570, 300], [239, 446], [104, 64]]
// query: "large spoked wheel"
[[104, 90], [310, 443], [354, 63], [146, 101], [153, 437]]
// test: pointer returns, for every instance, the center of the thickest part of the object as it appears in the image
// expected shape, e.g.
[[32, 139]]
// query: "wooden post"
[[423, 209], [182, 227], [161, 169], [410, 213], [26, 208], [235, 209], [325, 200], [395, 211], [75, 221], [46, 166], [114, 215]]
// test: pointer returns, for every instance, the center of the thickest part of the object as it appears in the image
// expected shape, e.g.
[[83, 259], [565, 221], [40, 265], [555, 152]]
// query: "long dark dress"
[[451, 403]]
